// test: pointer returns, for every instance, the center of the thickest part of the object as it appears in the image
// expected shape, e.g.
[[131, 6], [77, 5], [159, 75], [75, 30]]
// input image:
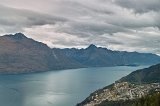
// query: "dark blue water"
[[57, 88]]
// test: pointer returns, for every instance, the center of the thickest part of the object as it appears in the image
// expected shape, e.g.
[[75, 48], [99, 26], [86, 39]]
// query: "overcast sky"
[[131, 25]]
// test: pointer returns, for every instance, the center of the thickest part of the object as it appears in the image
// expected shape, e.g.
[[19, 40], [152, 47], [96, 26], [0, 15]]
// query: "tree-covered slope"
[[147, 75]]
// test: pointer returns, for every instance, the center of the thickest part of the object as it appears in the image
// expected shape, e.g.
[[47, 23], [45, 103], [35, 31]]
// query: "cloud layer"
[[131, 25]]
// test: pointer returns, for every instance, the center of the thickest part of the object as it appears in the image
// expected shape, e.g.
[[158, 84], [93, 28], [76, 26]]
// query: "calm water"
[[57, 88]]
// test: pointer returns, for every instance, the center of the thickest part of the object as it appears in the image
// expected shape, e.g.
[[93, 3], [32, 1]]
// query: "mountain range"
[[20, 54], [93, 56]]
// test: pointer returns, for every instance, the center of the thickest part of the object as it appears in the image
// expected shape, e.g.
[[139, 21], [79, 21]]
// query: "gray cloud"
[[130, 25], [13, 19], [140, 6]]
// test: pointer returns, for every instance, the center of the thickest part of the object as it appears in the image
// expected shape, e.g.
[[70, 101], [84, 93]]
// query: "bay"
[[57, 88]]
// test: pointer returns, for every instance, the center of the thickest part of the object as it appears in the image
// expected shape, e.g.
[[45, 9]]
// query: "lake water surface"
[[57, 88]]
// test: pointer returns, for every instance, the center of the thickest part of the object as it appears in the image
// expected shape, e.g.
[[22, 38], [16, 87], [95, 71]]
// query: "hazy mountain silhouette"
[[94, 56]]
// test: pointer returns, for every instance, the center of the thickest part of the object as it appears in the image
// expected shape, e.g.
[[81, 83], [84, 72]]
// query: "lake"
[[57, 88]]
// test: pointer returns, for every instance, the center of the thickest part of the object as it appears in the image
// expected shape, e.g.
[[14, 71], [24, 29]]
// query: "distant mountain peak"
[[92, 46], [17, 36]]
